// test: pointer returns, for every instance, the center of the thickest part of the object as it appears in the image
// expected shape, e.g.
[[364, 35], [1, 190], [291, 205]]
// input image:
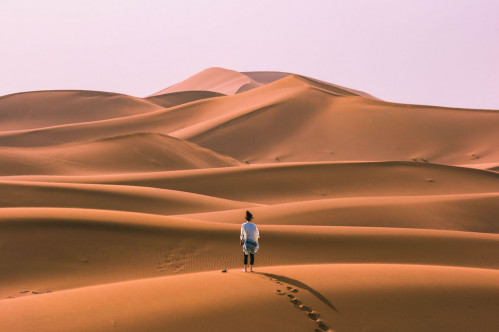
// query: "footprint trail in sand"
[[312, 314]]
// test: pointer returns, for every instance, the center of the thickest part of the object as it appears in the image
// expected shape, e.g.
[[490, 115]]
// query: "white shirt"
[[249, 231]]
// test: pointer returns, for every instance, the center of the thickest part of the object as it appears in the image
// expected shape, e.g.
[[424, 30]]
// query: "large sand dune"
[[120, 213]]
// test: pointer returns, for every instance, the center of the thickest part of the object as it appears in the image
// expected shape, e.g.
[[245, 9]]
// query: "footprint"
[[305, 308], [314, 315], [24, 291], [322, 325]]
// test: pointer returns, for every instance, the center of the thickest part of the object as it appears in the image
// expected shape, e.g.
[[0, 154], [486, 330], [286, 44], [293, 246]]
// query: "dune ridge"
[[119, 212]]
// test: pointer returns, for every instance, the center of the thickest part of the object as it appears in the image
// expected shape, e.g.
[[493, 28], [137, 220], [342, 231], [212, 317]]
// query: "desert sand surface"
[[123, 213]]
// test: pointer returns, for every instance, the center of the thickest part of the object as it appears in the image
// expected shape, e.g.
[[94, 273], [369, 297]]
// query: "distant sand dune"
[[473, 213], [219, 80], [51, 108], [315, 126], [180, 98], [295, 119]]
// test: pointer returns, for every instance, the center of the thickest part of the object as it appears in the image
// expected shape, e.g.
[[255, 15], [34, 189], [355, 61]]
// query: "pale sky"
[[433, 52]]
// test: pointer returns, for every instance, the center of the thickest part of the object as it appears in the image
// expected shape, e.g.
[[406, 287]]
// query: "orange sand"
[[120, 213]]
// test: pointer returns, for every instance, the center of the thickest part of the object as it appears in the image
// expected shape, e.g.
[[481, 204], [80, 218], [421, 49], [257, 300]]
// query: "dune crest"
[[215, 79]]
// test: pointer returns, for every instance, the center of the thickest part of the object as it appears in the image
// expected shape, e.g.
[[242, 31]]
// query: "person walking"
[[249, 240]]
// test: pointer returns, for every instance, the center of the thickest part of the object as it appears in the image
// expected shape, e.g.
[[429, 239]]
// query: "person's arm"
[[257, 235], [241, 238]]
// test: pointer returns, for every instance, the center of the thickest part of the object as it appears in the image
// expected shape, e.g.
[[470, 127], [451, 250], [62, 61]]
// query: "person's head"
[[249, 216]]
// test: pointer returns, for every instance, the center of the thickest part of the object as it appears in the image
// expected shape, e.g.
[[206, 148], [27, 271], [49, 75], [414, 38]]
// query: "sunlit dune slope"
[[107, 246], [142, 152], [110, 197], [342, 297]]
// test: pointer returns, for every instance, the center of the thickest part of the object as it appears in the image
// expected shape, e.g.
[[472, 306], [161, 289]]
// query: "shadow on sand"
[[300, 284]]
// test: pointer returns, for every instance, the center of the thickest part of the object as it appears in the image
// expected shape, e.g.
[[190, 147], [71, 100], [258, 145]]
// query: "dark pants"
[[252, 259]]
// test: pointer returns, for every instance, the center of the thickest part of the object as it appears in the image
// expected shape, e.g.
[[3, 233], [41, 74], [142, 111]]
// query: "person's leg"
[[245, 262], [252, 261]]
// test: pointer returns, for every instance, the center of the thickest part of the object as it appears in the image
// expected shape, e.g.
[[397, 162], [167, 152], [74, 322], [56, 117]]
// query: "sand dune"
[[40, 109], [220, 80], [314, 125], [141, 152], [465, 212], [357, 298], [180, 98], [161, 121], [295, 119], [109, 197], [293, 182], [119, 212], [108, 246]]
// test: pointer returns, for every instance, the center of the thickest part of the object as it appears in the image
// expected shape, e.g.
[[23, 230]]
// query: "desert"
[[124, 213]]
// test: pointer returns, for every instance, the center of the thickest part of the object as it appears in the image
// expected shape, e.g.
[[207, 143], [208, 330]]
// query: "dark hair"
[[248, 216]]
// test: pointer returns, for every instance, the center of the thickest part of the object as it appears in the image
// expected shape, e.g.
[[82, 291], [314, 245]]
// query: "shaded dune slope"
[[182, 97]]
